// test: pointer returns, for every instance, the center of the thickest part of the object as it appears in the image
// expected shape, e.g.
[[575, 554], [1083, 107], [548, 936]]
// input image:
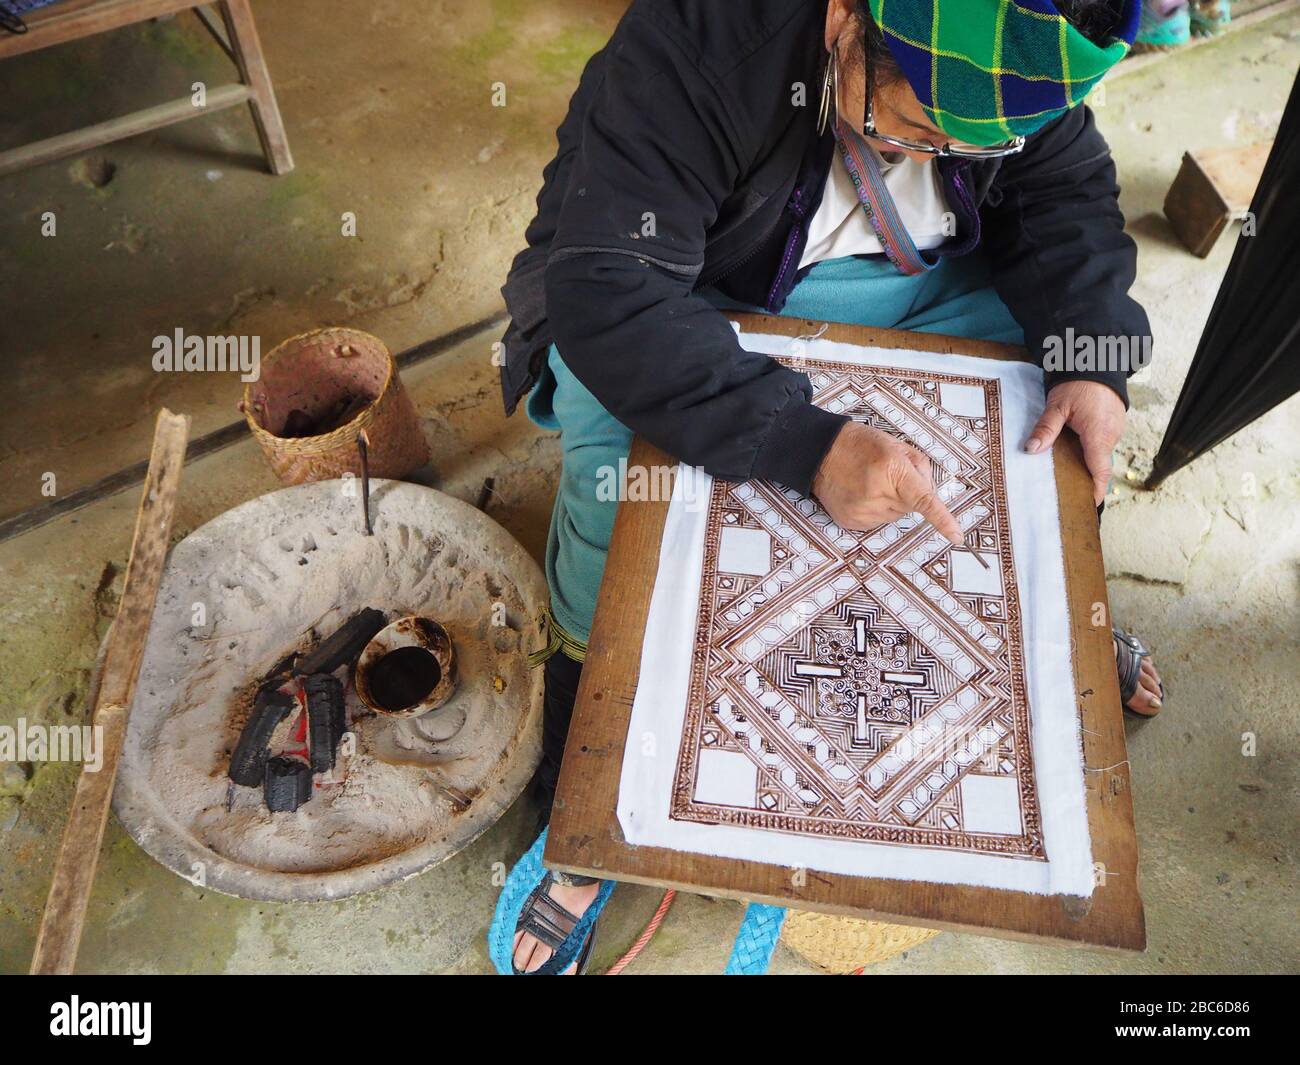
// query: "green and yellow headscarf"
[[989, 70]]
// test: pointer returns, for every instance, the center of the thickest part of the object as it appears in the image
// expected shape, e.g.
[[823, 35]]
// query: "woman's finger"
[[921, 463], [1097, 449], [918, 495], [864, 520], [1047, 430], [885, 515]]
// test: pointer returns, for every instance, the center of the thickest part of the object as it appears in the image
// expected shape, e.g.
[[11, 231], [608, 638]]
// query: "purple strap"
[[861, 163]]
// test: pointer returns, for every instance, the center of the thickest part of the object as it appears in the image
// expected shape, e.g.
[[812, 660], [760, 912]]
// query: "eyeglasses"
[[961, 151]]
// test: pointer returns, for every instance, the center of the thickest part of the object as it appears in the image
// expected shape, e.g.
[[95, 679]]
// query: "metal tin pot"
[[408, 669]]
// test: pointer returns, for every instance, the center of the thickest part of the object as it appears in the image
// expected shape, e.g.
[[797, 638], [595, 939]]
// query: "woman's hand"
[[869, 478], [1096, 413]]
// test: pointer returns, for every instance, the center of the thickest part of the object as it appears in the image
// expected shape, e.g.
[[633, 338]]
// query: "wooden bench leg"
[[247, 47]]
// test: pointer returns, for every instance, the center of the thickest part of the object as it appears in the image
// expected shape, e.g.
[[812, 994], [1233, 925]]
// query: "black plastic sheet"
[[1248, 359]]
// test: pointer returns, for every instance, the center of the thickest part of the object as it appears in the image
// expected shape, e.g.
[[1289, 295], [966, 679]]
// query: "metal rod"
[[363, 446], [975, 551]]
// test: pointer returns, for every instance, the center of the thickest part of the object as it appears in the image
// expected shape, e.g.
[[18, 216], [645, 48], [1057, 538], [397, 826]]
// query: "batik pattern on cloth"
[[867, 685], [873, 704]]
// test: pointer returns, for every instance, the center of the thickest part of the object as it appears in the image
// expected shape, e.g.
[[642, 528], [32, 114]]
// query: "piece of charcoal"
[[248, 762], [338, 719], [281, 668], [288, 784], [344, 645], [326, 718]]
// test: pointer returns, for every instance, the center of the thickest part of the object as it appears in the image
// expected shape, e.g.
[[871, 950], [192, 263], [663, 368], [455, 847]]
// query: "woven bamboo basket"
[[314, 373], [846, 944]]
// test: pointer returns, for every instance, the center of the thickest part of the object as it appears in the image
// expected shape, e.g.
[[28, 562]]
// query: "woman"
[[1169, 24], [942, 179]]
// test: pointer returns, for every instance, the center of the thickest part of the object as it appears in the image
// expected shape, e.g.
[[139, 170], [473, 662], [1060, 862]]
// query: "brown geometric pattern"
[[867, 685]]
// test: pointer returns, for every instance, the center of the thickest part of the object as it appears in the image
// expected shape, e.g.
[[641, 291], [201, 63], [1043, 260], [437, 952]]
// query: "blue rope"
[[523, 878], [752, 954], [756, 940]]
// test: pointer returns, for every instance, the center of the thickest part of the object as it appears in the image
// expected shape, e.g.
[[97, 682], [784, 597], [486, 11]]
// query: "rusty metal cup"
[[408, 669]]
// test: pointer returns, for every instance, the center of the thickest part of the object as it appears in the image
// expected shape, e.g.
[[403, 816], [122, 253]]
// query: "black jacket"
[[687, 126]]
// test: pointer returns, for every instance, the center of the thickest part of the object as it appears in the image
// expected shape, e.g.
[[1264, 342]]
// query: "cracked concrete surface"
[[188, 231]]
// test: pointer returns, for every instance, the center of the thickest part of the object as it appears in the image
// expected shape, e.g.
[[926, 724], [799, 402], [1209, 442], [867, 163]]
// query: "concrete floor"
[[391, 119]]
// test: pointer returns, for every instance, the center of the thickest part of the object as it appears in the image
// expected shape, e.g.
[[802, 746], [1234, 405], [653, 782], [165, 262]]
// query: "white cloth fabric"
[[841, 228], [655, 730]]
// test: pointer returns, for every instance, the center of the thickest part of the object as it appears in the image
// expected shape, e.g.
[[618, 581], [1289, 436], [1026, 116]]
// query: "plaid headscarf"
[[989, 70]]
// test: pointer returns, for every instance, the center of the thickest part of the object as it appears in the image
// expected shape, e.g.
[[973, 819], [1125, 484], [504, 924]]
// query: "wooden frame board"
[[585, 836]]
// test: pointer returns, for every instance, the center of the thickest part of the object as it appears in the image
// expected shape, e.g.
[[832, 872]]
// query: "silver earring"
[[830, 92]]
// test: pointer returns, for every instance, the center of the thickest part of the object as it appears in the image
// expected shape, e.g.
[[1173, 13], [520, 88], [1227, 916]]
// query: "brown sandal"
[[552, 925], [1129, 652]]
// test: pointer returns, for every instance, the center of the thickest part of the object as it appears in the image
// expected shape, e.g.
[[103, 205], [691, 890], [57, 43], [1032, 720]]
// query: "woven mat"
[[845, 944]]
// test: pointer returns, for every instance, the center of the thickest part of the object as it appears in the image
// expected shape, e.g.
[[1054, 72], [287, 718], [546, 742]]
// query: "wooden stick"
[[74, 870], [363, 446]]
